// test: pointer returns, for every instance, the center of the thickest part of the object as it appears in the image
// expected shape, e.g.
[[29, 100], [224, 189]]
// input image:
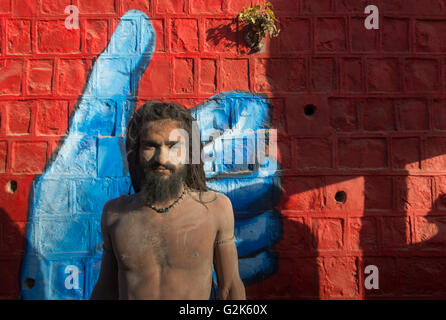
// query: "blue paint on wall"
[[90, 168]]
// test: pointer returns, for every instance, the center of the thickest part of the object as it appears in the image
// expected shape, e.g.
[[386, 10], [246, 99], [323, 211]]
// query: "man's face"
[[162, 155], [161, 149]]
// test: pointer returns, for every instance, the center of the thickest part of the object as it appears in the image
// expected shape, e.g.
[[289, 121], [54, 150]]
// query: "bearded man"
[[162, 241]]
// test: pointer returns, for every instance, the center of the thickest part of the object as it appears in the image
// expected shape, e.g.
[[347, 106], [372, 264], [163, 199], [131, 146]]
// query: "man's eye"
[[176, 146]]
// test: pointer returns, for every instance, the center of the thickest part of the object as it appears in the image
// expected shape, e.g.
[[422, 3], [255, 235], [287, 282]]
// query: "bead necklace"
[[173, 205]]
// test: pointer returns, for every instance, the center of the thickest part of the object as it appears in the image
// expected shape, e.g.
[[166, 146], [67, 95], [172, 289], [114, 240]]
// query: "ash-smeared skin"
[[175, 262]]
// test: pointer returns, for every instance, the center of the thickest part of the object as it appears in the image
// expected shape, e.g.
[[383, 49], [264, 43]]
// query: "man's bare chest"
[[146, 241]]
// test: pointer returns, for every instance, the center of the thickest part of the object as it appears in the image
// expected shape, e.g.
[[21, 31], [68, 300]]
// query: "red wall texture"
[[378, 131]]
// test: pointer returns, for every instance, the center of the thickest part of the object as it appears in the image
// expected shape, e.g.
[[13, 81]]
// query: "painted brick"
[[362, 40], [331, 34], [158, 25], [351, 76], [406, 153], [90, 194], [439, 116], [388, 285], [97, 6], [439, 193], [15, 204], [283, 6], [142, 5], [85, 164], [343, 115], [304, 281], [11, 76], [171, 6], [413, 114], [279, 119], [283, 75], [13, 242], [363, 233], [295, 35], [24, 8], [109, 166], [5, 6], [18, 36], [378, 193], [354, 188], [220, 35], [58, 279], [362, 153], [278, 289], [395, 35], [323, 76], [207, 6], [422, 75], [236, 6], [378, 115], [157, 79], [312, 153], [309, 6], [96, 36], [435, 153], [208, 76], [3, 153], [429, 36], [59, 202], [53, 37], [184, 37], [428, 7], [28, 157], [8, 276], [235, 74], [395, 232], [60, 230], [53, 7], [413, 192], [356, 6], [420, 276], [18, 117], [284, 155], [298, 123], [40, 80], [299, 240], [70, 69], [328, 233], [383, 75], [184, 71], [303, 193], [339, 276], [52, 117], [430, 232]]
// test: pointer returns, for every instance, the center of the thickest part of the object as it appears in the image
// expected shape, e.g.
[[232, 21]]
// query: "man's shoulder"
[[116, 207], [211, 197]]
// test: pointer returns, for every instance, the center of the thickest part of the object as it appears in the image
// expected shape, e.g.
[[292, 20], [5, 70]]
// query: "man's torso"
[[164, 255]]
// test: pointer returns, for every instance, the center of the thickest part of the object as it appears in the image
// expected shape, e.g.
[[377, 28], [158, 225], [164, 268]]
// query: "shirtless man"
[[161, 242]]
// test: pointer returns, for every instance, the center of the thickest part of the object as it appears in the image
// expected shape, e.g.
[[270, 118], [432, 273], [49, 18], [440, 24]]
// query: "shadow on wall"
[[13, 244]]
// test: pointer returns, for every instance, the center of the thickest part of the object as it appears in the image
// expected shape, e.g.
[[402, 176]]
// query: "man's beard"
[[158, 188]]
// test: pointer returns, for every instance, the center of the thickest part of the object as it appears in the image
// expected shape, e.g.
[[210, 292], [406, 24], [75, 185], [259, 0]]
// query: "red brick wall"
[[378, 131]]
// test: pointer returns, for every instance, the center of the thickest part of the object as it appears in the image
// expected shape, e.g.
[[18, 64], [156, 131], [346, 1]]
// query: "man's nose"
[[163, 155]]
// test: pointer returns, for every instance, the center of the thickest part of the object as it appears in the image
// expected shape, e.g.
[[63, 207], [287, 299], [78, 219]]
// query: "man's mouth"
[[161, 170]]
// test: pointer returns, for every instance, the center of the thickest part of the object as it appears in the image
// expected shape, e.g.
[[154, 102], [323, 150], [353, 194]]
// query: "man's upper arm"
[[107, 284], [226, 259]]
